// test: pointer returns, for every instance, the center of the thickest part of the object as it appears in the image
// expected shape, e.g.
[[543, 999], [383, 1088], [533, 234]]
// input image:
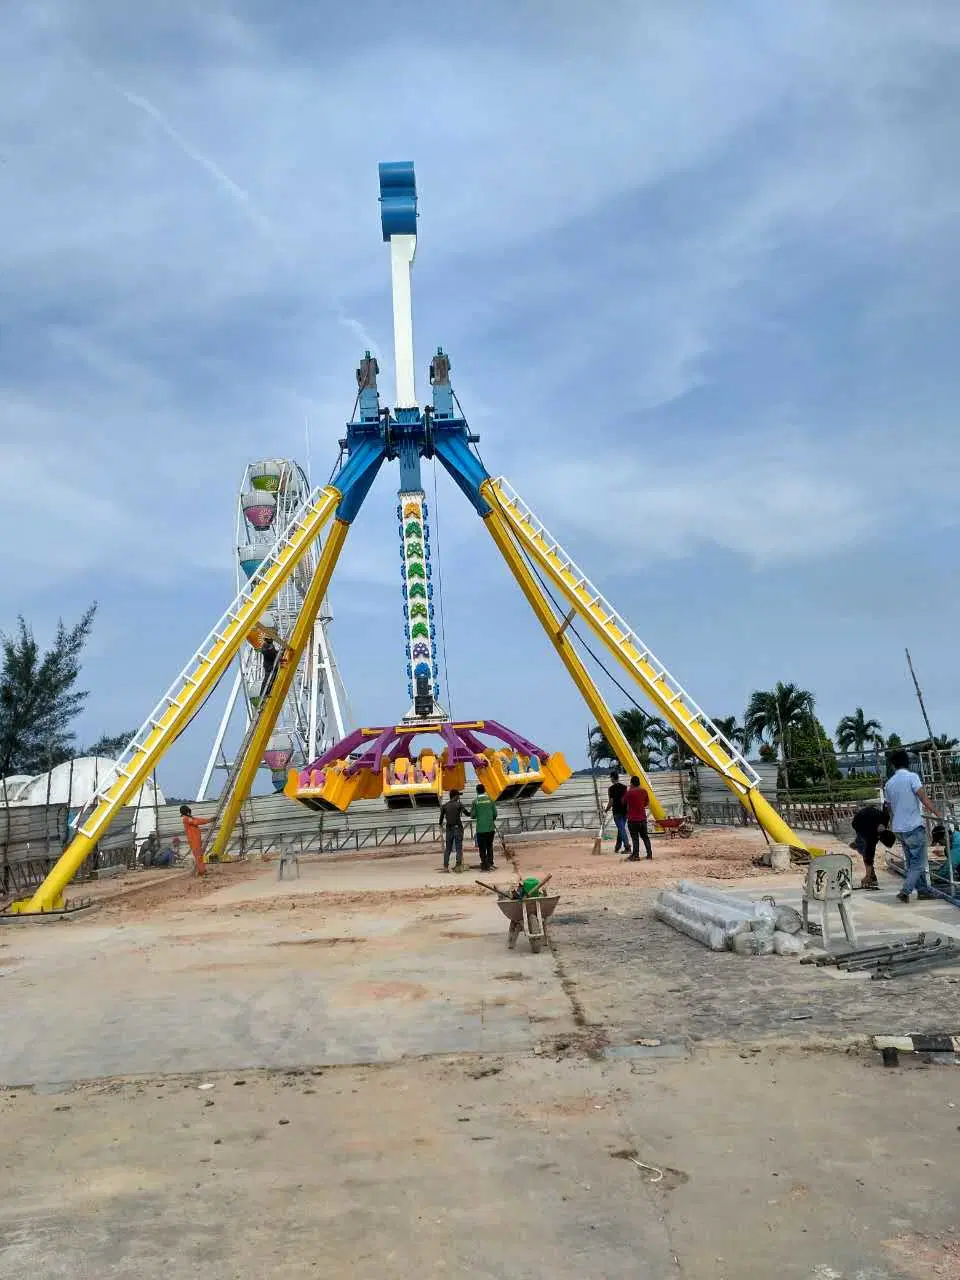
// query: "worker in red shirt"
[[637, 800], [191, 829]]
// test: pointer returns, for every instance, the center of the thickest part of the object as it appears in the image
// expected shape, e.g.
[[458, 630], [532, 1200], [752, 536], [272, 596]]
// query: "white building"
[[75, 783]]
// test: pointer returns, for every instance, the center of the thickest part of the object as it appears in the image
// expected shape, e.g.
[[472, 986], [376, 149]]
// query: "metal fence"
[[826, 819], [32, 838]]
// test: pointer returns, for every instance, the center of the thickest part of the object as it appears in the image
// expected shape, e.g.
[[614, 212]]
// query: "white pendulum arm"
[[402, 251]]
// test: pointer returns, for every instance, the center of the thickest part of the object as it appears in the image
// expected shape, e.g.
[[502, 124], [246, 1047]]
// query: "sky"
[[695, 265]]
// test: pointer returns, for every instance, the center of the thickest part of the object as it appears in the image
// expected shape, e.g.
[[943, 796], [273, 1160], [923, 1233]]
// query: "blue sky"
[[695, 265]]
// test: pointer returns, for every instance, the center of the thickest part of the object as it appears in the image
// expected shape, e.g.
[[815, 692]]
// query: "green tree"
[[39, 700], [111, 747], [637, 727], [811, 760], [774, 714], [671, 750], [732, 730], [857, 732]]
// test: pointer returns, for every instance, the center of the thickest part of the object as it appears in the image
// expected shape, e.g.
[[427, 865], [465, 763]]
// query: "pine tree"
[[39, 700], [109, 745]]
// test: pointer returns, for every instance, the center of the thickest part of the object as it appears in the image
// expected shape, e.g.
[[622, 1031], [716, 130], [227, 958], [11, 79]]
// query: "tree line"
[[782, 724], [40, 701]]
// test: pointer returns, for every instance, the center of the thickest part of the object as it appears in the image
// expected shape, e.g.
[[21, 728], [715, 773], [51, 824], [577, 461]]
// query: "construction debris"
[[888, 960], [725, 923]]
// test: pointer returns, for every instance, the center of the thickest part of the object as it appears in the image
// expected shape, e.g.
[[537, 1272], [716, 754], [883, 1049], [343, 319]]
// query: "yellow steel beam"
[[290, 656], [667, 701], [500, 532], [199, 680]]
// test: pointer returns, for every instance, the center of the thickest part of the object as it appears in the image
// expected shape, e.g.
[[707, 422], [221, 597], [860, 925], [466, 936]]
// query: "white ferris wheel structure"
[[312, 718]]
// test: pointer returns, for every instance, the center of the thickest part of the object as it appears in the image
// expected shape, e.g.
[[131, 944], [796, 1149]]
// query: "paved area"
[[415, 1099], [639, 978], [776, 1164], [270, 989]]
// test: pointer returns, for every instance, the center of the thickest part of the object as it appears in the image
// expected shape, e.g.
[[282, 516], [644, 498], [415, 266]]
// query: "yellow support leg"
[[242, 780], [500, 532], [669, 700], [181, 704]]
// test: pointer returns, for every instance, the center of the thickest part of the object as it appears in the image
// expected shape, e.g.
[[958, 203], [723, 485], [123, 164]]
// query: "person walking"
[[617, 805], [870, 825], [451, 818], [484, 814], [191, 829], [637, 799], [904, 794]]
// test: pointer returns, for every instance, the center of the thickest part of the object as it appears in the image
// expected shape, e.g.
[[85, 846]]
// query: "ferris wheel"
[[271, 493]]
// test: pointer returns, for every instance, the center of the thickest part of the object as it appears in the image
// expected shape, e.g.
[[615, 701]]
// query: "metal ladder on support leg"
[[186, 696], [702, 735]]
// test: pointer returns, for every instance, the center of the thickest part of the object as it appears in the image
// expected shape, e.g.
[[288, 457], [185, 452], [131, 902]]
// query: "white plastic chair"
[[830, 882], [288, 857]]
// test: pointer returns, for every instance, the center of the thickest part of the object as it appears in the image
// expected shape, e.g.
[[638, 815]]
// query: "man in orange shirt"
[[191, 829]]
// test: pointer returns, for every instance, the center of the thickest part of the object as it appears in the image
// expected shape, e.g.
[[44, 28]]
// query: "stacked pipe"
[[725, 923]]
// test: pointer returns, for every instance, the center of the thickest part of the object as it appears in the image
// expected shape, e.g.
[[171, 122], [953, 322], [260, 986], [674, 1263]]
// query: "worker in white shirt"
[[905, 795]]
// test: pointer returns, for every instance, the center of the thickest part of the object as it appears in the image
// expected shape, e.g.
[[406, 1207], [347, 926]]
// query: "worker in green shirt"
[[484, 814]]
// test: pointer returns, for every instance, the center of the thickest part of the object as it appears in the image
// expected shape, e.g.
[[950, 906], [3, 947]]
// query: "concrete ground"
[[415, 1099]]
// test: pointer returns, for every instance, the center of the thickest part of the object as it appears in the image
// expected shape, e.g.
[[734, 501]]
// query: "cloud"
[[771, 497], [695, 266]]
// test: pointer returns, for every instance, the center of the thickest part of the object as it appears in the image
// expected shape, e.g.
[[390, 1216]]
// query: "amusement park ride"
[[272, 492], [383, 761]]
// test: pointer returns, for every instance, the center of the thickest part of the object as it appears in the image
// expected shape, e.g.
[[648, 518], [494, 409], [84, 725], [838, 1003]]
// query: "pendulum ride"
[[390, 761], [387, 761]]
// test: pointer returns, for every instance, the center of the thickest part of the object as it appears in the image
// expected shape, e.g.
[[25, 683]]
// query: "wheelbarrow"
[[527, 909], [674, 827], [529, 916]]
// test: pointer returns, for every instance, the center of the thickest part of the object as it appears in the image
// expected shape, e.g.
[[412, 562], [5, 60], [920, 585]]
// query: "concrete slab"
[[721, 1167], [277, 989], [639, 979]]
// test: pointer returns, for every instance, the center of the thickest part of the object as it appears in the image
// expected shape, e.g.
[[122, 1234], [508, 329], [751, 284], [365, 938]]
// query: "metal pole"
[[923, 707], [935, 762], [313, 673], [330, 684], [221, 734]]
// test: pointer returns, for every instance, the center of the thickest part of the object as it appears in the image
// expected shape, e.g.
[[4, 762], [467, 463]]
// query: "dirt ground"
[[348, 1074]]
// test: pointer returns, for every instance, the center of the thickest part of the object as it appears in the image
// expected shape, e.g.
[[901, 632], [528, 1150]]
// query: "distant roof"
[[11, 787], [75, 782]]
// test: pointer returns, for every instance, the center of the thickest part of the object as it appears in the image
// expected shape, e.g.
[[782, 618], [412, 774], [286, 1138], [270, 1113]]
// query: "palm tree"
[[856, 732], [731, 730], [640, 731], [667, 744], [772, 714]]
